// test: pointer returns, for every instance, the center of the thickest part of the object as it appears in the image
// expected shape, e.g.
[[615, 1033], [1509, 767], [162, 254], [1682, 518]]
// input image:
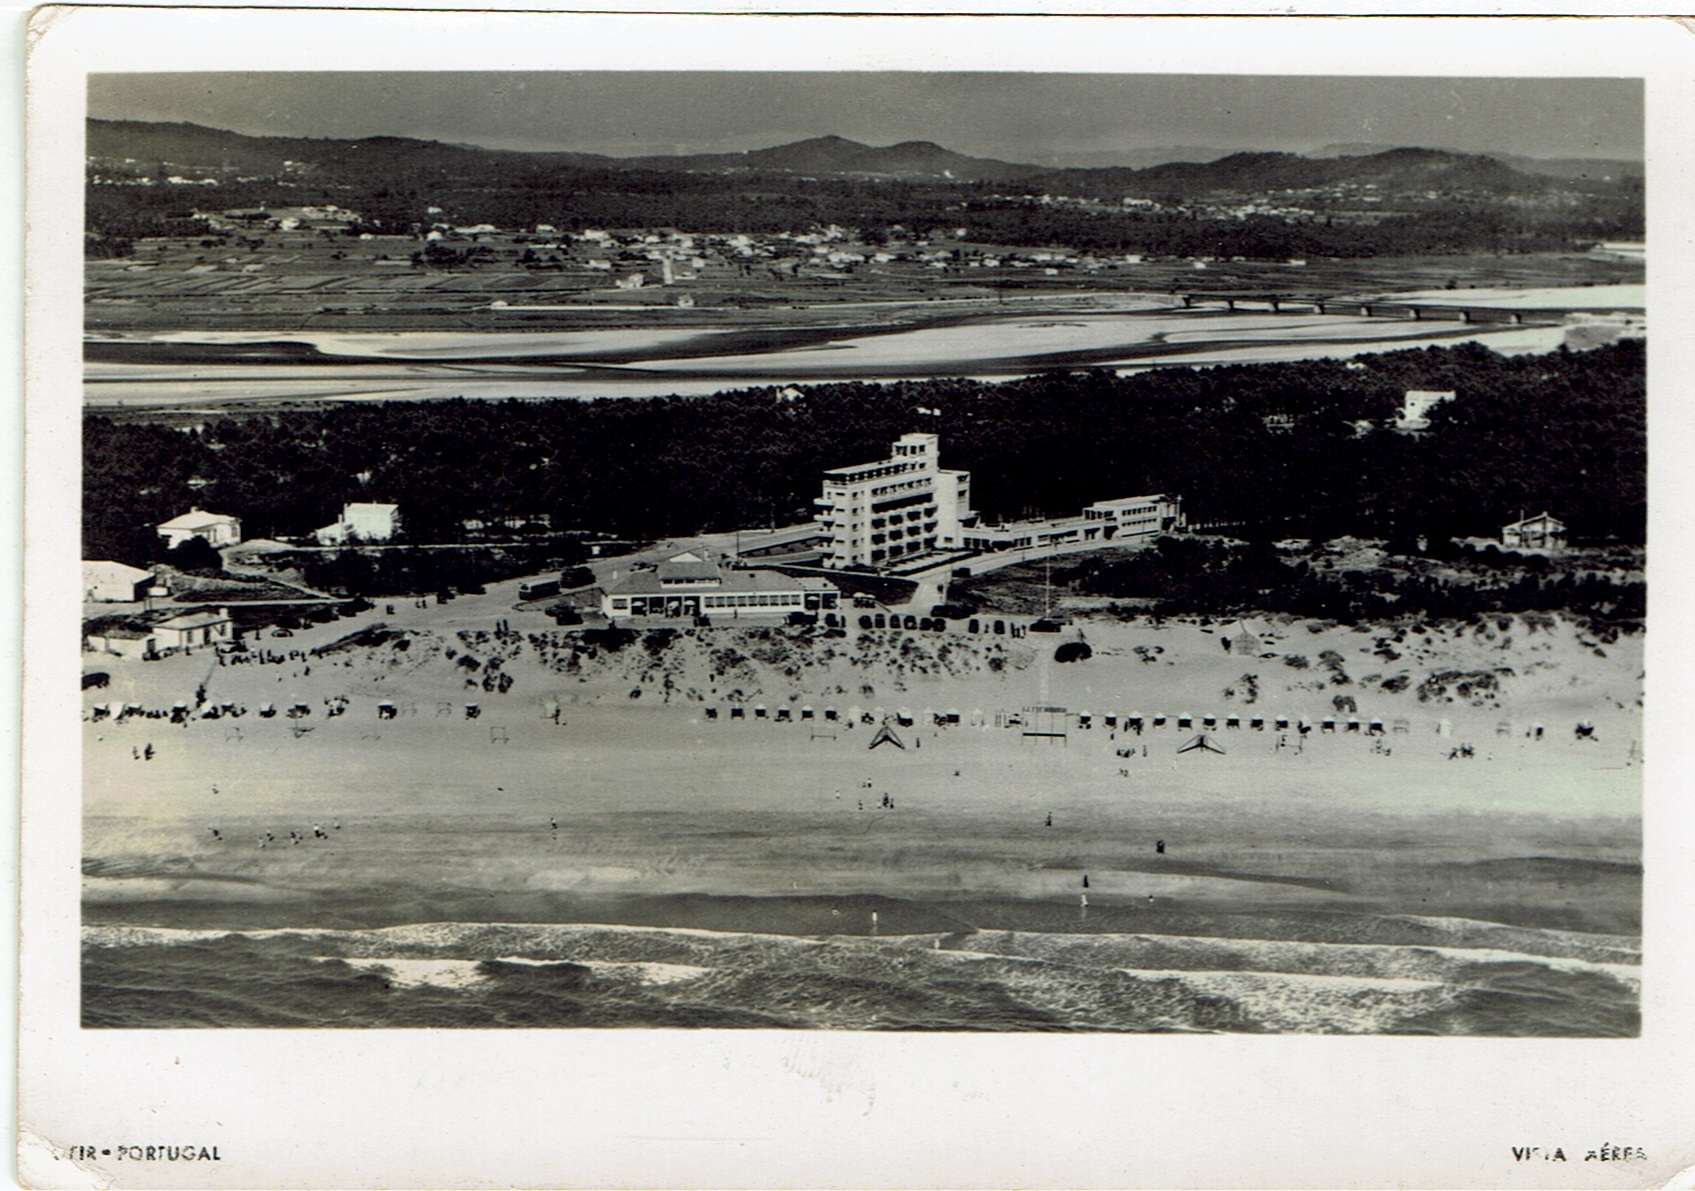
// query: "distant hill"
[[834, 155], [1135, 159], [1598, 168], [193, 144], [1393, 172]]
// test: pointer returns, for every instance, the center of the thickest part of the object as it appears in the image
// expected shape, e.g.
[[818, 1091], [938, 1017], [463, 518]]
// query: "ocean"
[[1320, 973]]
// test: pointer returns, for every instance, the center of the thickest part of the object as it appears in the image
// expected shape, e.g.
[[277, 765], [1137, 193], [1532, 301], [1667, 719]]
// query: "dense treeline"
[[1564, 432], [1196, 576]]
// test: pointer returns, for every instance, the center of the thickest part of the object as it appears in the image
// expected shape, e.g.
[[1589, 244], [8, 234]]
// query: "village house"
[[114, 582], [215, 529], [361, 522], [156, 634], [1416, 406], [1541, 532]]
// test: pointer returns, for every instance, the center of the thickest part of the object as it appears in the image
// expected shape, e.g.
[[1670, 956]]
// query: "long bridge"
[[1381, 308]]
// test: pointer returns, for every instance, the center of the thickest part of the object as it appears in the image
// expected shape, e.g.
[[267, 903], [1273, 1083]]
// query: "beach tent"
[[1110, 719], [1375, 727], [953, 715], [711, 713], [1353, 725], [1282, 723], [1444, 727], [1201, 742], [759, 711], [1257, 723], [1185, 720], [806, 712], [1233, 721], [1083, 719], [738, 713], [1401, 726], [267, 710], [1159, 719], [1328, 724], [1503, 728], [830, 714], [783, 716], [885, 734], [904, 716], [1209, 721]]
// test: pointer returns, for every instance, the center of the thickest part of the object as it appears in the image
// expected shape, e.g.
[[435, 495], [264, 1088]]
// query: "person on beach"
[[1050, 819], [1159, 847], [147, 753], [217, 836]]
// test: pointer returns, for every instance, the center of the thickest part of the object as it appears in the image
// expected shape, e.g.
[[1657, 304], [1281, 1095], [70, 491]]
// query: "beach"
[[969, 876]]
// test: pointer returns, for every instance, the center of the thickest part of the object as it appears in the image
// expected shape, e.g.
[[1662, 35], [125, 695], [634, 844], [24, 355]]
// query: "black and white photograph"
[[600, 550]]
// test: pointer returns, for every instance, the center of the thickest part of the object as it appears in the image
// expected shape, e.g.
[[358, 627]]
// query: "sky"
[[1010, 116]]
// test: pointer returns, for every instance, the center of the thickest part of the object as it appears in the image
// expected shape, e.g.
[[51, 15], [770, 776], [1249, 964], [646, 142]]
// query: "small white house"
[[114, 582], [361, 522], [1416, 406], [194, 630], [215, 529]]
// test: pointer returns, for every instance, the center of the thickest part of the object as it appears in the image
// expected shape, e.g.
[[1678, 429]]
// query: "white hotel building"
[[884, 513], [887, 513]]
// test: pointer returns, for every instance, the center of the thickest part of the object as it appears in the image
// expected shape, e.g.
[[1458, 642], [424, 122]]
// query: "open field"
[[294, 280]]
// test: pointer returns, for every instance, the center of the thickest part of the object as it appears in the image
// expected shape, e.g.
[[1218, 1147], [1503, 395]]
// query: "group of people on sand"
[[266, 839]]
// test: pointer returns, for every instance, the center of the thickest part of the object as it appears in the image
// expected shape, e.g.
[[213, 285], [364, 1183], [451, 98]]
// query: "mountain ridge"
[[830, 156]]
